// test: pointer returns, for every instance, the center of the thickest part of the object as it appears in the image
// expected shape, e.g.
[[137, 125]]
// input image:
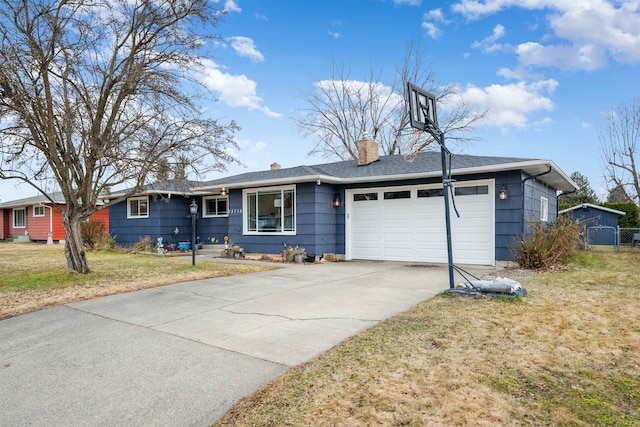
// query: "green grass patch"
[[35, 276]]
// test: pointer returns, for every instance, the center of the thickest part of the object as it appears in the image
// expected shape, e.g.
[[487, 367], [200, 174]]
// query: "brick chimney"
[[367, 150], [275, 166]]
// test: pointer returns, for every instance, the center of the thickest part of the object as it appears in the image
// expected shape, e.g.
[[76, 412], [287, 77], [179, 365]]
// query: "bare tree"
[[100, 93], [619, 142], [341, 109]]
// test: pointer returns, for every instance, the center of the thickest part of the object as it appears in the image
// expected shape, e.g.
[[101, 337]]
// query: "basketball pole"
[[446, 187], [423, 116]]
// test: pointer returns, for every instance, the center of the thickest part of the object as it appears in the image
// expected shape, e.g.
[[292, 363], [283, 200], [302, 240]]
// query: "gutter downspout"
[[50, 233], [524, 195]]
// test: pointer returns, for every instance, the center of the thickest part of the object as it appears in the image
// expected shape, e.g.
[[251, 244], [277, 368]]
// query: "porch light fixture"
[[337, 202], [223, 191], [193, 208], [503, 193]]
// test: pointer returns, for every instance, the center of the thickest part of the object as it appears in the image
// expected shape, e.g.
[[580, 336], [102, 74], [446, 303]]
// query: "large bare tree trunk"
[[74, 248]]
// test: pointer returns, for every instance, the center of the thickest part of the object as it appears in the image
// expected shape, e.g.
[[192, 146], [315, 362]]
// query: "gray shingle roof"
[[425, 164], [163, 187], [34, 200]]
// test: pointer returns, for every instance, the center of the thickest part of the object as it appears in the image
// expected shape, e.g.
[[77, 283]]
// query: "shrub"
[[94, 235], [145, 244], [547, 245], [630, 220]]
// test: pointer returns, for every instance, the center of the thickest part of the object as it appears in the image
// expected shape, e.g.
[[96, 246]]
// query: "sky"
[[548, 70]]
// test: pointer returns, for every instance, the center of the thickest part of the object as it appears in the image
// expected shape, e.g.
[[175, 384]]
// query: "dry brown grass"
[[34, 276], [565, 355]]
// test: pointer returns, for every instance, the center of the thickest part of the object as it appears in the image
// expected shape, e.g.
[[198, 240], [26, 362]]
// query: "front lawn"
[[568, 354], [34, 276]]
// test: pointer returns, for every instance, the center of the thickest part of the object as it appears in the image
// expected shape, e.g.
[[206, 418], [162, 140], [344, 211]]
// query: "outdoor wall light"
[[223, 191], [337, 202], [503, 193]]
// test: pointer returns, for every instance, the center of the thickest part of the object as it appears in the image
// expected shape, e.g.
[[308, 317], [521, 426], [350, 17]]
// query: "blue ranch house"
[[372, 208]]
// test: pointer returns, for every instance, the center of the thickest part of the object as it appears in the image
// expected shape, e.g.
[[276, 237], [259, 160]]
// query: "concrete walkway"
[[182, 355]]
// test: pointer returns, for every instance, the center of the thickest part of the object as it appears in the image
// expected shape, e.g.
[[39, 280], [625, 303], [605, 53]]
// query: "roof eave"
[[589, 205], [533, 167]]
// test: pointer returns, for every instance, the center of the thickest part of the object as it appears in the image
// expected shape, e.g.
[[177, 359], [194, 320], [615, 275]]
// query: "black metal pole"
[[193, 239], [446, 186]]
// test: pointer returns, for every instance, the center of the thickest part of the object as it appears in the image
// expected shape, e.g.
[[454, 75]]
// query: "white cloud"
[[232, 6], [229, 6], [511, 105], [586, 57], [433, 31], [588, 32], [428, 19], [234, 90], [259, 147], [336, 35], [245, 47], [489, 43], [510, 74], [435, 15]]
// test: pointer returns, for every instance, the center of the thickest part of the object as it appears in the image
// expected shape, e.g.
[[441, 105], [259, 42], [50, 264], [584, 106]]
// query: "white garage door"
[[408, 224]]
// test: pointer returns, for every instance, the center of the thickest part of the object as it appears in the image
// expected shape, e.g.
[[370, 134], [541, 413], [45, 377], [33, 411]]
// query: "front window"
[[216, 206], [38, 211], [19, 218], [138, 207], [270, 210]]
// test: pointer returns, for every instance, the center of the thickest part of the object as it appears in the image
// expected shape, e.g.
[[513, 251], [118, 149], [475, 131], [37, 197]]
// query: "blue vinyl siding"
[[164, 215], [316, 223], [320, 227], [590, 219]]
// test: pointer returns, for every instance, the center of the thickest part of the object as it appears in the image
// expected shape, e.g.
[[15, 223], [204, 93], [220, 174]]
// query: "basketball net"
[[414, 146]]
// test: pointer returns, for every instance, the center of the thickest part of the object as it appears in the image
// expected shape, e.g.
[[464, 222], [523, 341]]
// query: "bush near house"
[[547, 245], [94, 235]]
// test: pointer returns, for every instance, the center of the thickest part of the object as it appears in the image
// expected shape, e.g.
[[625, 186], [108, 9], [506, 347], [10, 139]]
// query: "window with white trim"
[[270, 210], [544, 209], [19, 218], [138, 207], [215, 206], [38, 211]]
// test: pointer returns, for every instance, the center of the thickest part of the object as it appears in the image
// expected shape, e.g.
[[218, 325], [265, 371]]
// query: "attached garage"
[[408, 223]]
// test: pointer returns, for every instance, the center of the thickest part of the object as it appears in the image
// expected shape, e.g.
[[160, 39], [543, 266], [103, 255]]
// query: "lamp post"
[[193, 208]]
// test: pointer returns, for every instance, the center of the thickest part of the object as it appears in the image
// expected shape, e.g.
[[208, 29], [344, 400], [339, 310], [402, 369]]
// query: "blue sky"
[[547, 69]]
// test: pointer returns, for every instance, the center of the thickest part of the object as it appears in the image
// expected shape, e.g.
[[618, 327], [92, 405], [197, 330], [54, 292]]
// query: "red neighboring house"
[[33, 218]]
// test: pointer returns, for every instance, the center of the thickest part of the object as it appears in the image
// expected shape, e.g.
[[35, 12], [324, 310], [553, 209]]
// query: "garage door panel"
[[402, 238], [400, 253], [413, 229]]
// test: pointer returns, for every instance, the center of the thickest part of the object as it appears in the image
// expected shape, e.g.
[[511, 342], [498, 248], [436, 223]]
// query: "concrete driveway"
[[182, 355]]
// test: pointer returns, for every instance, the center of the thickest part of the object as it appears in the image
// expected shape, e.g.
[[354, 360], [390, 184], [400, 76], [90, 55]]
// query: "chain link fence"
[[630, 237], [607, 239]]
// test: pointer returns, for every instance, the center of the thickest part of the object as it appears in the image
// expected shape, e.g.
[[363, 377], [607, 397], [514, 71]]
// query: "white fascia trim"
[[589, 205], [274, 182]]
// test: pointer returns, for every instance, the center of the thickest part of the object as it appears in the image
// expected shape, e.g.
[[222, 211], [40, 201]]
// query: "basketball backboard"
[[422, 108]]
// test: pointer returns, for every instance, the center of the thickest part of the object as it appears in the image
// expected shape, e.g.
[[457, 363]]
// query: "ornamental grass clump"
[[547, 245]]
